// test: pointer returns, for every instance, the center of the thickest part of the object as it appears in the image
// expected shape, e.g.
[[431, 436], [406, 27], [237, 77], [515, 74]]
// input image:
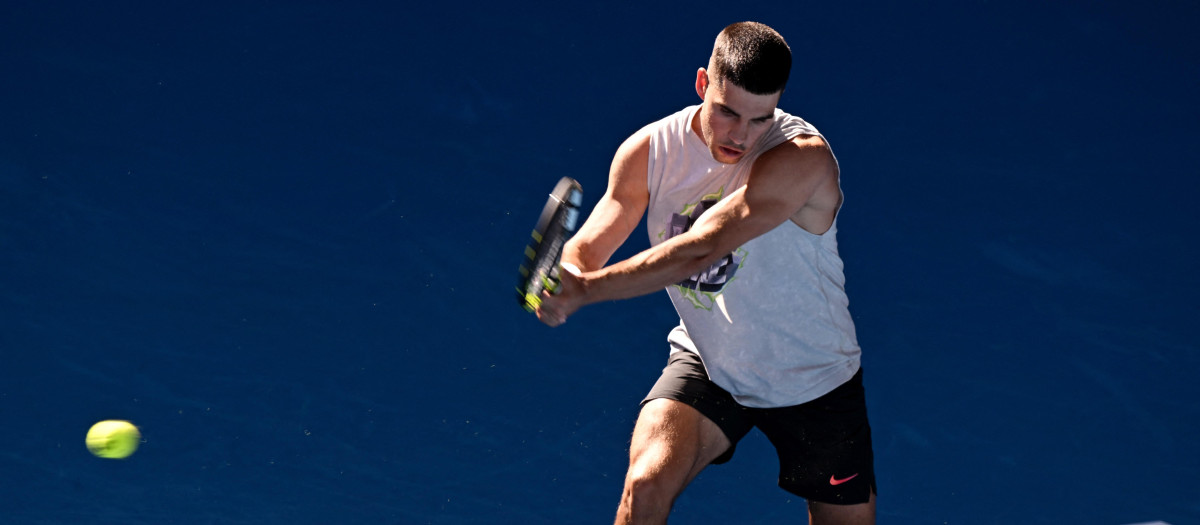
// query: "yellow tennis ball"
[[113, 439]]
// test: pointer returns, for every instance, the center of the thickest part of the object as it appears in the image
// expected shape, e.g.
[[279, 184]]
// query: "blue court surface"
[[282, 238]]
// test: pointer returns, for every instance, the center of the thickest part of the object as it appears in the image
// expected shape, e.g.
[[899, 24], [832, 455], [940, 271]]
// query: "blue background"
[[281, 237]]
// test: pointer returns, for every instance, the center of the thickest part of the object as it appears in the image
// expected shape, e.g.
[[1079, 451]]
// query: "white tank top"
[[770, 321]]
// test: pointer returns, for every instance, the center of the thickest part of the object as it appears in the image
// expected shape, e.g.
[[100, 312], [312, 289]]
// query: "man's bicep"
[[782, 182], [618, 212], [789, 178]]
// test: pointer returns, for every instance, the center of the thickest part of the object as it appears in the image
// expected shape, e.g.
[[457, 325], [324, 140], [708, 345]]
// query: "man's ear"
[[701, 82]]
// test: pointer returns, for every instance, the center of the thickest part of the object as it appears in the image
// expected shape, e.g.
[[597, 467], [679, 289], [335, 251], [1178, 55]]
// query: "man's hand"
[[555, 308]]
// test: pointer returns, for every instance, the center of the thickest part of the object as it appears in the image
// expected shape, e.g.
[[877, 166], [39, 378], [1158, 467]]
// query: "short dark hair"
[[752, 56]]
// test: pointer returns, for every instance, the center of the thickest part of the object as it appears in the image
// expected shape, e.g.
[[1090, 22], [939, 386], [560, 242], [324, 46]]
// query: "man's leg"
[[830, 514], [825, 454], [672, 442]]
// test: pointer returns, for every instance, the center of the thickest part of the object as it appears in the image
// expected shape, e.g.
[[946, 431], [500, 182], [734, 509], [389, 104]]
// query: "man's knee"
[[650, 491], [658, 470], [651, 488]]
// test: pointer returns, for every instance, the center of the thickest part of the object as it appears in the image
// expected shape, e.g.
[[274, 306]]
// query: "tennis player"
[[743, 200]]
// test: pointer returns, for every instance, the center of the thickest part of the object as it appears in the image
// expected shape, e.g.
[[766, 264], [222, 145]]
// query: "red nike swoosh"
[[835, 482]]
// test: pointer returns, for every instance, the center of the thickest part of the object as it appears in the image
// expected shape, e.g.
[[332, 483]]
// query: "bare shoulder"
[[634, 149], [803, 156], [627, 175]]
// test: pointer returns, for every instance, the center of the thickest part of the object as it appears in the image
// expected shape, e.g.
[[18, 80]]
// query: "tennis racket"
[[539, 269]]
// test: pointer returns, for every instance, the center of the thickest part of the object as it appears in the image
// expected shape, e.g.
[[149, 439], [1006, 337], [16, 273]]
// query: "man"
[[742, 201]]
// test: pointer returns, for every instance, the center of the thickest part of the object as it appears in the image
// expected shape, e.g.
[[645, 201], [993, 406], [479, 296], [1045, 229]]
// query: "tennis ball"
[[113, 439]]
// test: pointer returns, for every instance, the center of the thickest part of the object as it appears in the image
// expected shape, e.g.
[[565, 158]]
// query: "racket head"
[[559, 220]]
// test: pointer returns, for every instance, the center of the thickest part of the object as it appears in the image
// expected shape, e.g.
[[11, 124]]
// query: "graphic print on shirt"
[[703, 289]]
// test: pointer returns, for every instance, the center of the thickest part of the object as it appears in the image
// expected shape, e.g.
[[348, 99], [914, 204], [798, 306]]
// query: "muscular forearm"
[[649, 271]]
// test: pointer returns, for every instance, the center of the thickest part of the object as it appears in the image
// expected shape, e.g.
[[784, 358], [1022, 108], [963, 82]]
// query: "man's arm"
[[619, 210], [783, 182]]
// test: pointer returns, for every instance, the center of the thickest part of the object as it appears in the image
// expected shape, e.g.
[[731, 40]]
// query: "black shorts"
[[824, 445]]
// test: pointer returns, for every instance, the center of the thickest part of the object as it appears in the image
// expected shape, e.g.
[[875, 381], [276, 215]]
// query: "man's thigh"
[[685, 380], [672, 441]]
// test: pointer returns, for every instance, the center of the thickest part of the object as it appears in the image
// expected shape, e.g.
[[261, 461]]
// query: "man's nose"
[[739, 132]]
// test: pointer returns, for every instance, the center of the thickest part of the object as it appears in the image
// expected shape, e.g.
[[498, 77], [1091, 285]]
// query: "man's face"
[[731, 119]]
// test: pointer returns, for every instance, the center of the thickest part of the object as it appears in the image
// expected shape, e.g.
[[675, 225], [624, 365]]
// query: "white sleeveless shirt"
[[771, 320]]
